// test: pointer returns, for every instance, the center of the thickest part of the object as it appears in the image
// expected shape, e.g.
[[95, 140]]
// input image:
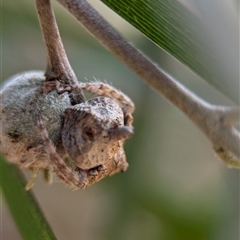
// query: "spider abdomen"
[[22, 100]]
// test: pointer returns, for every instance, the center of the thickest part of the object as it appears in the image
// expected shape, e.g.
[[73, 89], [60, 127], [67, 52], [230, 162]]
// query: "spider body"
[[21, 100], [87, 129], [42, 128]]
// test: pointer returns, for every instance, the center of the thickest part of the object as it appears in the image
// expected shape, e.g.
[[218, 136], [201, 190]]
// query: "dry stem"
[[58, 66]]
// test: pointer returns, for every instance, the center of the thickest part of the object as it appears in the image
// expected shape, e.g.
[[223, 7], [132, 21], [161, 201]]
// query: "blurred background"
[[175, 188]]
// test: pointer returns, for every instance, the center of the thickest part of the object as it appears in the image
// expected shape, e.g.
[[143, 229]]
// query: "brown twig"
[[58, 66]]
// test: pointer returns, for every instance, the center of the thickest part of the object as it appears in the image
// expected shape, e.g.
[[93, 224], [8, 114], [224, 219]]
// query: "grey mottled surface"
[[21, 101]]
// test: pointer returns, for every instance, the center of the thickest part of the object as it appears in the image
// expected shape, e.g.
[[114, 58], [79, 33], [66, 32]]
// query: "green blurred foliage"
[[174, 189], [26, 211]]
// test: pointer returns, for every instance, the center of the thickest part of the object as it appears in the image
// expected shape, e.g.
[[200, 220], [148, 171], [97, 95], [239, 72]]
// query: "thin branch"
[[206, 116], [232, 115], [58, 66]]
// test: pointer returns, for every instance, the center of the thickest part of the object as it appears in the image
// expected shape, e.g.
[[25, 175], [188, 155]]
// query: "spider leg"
[[65, 173], [32, 180], [48, 175], [106, 90]]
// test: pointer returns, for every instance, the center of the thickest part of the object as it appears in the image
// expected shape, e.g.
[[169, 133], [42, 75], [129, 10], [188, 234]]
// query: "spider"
[[81, 143], [93, 135]]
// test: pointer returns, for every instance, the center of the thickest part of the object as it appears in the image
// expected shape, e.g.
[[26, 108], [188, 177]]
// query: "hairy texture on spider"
[[80, 141]]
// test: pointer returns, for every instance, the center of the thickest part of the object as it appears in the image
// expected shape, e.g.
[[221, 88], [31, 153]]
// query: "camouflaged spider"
[[47, 125], [93, 135]]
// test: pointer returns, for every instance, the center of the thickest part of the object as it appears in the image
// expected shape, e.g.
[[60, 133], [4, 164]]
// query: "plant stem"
[[58, 66], [206, 116]]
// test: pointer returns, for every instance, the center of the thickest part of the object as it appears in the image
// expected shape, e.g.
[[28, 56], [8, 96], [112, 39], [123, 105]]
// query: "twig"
[[216, 122], [58, 66]]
